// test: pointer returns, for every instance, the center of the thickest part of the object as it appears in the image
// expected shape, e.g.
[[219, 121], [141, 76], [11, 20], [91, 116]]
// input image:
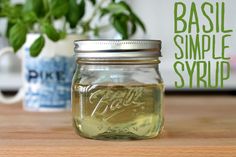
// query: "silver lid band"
[[118, 49]]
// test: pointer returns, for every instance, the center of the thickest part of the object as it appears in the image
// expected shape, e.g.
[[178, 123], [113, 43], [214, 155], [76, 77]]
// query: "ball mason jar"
[[117, 89]]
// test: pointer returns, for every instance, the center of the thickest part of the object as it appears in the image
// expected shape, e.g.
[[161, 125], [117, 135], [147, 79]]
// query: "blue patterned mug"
[[47, 78]]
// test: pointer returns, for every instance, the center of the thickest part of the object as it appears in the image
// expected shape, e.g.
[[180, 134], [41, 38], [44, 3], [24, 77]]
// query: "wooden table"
[[194, 126]]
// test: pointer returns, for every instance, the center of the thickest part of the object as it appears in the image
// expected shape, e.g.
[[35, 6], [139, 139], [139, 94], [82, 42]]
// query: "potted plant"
[[45, 30], [39, 16]]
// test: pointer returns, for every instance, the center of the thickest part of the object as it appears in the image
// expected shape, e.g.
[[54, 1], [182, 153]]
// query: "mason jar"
[[117, 89]]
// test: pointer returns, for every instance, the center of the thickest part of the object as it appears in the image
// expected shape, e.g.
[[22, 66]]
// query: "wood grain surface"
[[195, 126]]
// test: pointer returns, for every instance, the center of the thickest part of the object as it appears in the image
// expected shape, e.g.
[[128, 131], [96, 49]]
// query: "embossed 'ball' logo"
[[108, 102]]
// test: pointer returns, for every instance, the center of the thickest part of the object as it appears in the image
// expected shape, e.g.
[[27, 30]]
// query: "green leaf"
[[9, 26], [121, 26], [1, 14], [93, 2], [96, 31], [126, 6], [30, 17], [75, 12], [14, 12], [116, 8], [133, 15], [138, 21], [59, 8], [62, 35], [17, 35], [35, 6], [86, 27], [72, 17], [37, 46], [133, 28], [81, 9], [5, 8], [1, 8], [51, 32], [104, 12]]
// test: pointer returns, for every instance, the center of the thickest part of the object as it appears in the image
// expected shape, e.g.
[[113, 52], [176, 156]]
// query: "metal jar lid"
[[117, 49]]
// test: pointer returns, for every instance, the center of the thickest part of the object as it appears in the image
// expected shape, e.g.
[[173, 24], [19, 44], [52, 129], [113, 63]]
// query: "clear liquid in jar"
[[118, 111]]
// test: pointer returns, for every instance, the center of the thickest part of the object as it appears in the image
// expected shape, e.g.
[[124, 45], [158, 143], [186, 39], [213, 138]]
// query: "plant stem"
[[64, 24], [47, 16], [96, 10], [103, 27], [45, 3]]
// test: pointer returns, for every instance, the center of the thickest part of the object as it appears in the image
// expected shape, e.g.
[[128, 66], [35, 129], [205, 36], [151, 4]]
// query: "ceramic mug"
[[19, 95], [46, 78]]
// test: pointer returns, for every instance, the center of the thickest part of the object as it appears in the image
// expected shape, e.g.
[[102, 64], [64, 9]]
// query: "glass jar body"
[[117, 101]]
